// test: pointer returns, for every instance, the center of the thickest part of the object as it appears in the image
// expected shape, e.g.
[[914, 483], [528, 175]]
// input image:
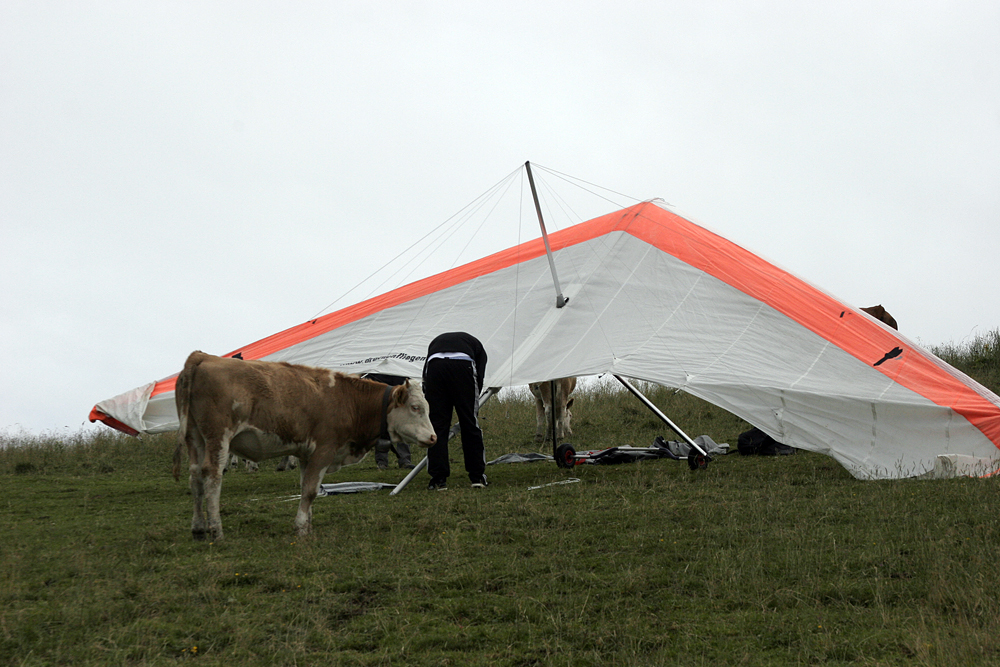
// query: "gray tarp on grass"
[[677, 448], [520, 458]]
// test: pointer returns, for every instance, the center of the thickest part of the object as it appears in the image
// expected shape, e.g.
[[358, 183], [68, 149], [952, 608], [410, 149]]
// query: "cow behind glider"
[[544, 411], [882, 315]]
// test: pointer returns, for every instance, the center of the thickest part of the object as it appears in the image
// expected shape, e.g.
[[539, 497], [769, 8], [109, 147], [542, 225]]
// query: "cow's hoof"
[[198, 535]]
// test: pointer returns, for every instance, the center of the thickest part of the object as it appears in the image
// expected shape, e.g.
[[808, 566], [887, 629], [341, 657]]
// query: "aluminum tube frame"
[[560, 299], [666, 420]]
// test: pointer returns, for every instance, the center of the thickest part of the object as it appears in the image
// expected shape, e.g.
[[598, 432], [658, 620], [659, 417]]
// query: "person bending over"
[[453, 379]]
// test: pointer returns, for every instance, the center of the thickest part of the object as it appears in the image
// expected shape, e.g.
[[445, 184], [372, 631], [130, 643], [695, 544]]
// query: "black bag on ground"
[[757, 443]]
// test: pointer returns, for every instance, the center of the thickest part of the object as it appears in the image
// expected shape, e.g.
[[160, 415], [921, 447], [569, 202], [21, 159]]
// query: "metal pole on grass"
[[406, 480], [649, 404]]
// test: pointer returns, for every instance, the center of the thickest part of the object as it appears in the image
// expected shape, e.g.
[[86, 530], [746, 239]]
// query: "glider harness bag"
[[756, 442]]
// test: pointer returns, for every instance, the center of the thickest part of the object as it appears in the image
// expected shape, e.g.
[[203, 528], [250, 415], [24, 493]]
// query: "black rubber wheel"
[[565, 456], [697, 461]]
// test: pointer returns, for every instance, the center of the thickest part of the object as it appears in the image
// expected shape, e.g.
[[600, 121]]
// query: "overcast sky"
[[200, 175]]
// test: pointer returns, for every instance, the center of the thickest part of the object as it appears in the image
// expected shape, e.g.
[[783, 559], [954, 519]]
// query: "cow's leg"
[[547, 418], [303, 517], [211, 478], [287, 463], [198, 525], [565, 425], [196, 453], [540, 430], [557, 412], [311, 476]]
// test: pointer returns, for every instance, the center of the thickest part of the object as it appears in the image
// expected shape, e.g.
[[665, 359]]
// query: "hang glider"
[[649, 295]]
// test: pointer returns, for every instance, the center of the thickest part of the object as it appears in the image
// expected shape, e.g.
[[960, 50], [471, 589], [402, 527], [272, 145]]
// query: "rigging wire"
[[435, 238], [425, 303], [430, 244], [572, 180], [444, 237], [487, 217], [467, 210]]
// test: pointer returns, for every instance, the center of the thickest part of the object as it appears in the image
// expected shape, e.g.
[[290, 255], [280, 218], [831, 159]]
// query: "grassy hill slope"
[[754, 561]]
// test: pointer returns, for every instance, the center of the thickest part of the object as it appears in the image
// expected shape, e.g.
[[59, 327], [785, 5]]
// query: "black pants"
[[450, 384]]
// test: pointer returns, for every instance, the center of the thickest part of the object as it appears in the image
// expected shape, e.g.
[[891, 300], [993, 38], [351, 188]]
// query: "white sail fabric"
[[656, 298]]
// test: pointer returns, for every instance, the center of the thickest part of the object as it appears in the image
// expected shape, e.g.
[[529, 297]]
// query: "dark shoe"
[[407, 466], [437, 485], [480, 483], [382, 466]]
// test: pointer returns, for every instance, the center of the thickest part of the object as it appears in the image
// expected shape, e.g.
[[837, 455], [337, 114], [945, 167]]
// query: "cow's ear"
[[569, 403], [401, 394]]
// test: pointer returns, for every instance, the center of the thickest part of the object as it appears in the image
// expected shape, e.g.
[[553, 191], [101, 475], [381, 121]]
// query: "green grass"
[[978, 358], [754, 561]]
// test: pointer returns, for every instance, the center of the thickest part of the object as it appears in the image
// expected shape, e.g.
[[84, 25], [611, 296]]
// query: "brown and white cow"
[[263, 410], [882, 315], [542, 392]]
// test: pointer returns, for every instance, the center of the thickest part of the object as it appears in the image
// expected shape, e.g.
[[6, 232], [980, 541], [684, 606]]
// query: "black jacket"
[[459, 341]]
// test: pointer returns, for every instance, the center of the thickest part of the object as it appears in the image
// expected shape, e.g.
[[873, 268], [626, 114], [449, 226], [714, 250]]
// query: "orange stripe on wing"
[[863, 339]]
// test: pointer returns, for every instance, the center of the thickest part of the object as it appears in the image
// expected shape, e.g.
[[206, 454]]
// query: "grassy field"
[[754, 561]]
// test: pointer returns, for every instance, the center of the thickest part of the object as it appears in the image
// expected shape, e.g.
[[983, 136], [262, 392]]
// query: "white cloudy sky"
[[199, 175]]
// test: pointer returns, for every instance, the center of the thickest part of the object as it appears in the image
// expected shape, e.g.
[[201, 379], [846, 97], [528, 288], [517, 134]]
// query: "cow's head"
[[407, 418]]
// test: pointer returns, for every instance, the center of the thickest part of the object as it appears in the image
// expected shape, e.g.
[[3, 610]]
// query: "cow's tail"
[[182, 397]]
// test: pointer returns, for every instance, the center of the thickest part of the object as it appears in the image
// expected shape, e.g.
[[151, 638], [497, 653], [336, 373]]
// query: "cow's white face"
[[408, 418]]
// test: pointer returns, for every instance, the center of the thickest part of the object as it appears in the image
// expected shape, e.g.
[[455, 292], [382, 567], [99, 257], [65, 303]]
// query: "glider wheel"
[[697, 461], [565, 456]]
